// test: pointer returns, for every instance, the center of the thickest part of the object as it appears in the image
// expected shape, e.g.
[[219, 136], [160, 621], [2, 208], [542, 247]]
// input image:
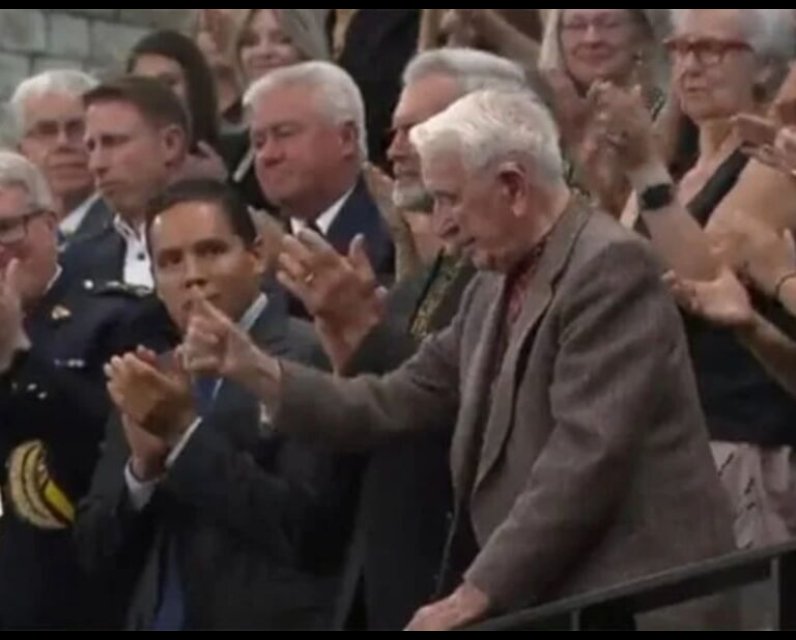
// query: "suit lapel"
[[475, 394], [269, 331], [347, 223], [97, 218], [540, 293]]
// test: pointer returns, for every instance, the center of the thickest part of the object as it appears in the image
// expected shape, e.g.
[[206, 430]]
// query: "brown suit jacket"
[[594, 466]]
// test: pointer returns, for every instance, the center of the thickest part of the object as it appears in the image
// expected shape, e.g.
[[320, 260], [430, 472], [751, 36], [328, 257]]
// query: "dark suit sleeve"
[[258, 492], [386, 347], [619, 332], [108, 528]]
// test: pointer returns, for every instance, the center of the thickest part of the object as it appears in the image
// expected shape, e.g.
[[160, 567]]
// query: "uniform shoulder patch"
[[35, 496]]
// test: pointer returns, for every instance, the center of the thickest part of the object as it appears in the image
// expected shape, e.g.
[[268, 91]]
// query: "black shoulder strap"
[[717, 187]]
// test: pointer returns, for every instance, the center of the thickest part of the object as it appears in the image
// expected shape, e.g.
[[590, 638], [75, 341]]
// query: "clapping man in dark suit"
[[196, 500], [309, 136]]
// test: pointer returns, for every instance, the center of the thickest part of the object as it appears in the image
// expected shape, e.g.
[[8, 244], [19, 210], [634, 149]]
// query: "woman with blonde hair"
[[616, 45], [273, 38], [214, 33], [582, 47]]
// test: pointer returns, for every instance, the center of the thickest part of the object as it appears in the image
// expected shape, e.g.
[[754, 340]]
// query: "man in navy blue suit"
[[199, 516], [309, 135]]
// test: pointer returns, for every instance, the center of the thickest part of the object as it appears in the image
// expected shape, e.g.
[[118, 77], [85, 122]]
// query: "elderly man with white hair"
[[49, 120], [580, 457], [393, 560], [56, 333], [308, 133]]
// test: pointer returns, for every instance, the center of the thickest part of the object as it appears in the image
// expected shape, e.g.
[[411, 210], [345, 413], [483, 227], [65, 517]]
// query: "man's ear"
[[260, 256], [513, 181], [349, 134], [175, 144]]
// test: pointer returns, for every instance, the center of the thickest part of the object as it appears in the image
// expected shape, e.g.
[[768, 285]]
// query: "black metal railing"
[[775, 566]]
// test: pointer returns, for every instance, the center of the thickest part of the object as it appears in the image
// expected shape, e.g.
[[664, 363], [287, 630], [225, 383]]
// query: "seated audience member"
[[308, 133], [199, 512]]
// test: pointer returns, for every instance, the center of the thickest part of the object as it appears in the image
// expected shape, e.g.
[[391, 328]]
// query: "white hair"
[[340, 98], [488, 126], [66, 81], [473, 70], [769, 31], [18, 171]]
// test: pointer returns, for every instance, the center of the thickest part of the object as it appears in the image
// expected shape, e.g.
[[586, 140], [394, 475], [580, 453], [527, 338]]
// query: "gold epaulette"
[[35, 496]]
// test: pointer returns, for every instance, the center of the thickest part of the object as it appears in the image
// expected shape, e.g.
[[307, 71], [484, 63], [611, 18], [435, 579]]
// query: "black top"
[[742, 403]]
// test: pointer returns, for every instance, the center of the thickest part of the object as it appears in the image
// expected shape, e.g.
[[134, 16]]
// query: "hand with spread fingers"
[[12, 332], [623, 123], [158, 401], [571, 110], [411, 247], [340, 292], [723, 301], [763, 256], [216, 346]]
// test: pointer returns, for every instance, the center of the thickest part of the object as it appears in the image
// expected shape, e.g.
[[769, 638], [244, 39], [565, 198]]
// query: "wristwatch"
[[656, 197]]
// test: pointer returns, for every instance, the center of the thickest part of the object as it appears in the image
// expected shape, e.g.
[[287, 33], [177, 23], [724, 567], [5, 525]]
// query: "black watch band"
[[656, 197]]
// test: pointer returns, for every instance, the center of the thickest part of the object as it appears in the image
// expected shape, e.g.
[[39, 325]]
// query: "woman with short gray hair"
[[723, 61]]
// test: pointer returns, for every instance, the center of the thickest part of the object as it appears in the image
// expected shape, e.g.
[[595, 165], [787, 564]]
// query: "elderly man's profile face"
[[419, 101], [474, 212]]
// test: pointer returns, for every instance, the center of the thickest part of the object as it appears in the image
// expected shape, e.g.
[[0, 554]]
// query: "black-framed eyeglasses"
[[707, 51], [15, 228]]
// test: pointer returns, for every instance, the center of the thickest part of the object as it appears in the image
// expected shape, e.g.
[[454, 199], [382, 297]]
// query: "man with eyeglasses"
[[49, 122], [56, 333]]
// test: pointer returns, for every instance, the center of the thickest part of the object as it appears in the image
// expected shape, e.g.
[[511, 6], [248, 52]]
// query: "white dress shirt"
[[141, 492], [324, 221], [137, 269]]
